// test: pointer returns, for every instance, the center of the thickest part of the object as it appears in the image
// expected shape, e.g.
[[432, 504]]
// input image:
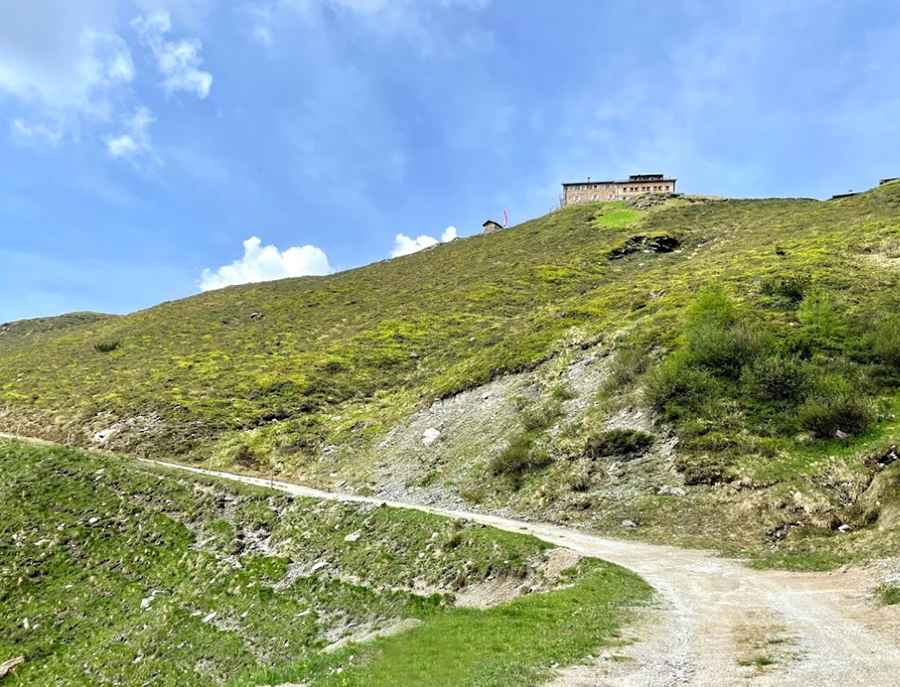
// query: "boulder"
[[430, 435], [667, 490]]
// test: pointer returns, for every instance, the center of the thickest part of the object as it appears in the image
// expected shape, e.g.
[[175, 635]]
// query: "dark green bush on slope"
[[729, 359], [835, 406], [885, 340], [618, 442], [776, 377]]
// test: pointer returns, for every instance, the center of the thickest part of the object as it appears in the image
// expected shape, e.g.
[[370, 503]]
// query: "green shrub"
[[823, 322], [674, 386], [886, 340], [106, 346], [579, 478], [724, 350], [889, 594], [519, 457], [618, 442], [718, 338], [776, 378], [835, 405], [629, 363], [245, 457], [788, 289], [703, 468], [562, 392], [539, 417]]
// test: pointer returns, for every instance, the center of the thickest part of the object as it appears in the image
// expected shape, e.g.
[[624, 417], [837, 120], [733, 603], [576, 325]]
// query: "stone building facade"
[[590, 191]]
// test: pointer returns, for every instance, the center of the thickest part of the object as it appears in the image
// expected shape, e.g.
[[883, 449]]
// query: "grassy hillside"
[[113, 573], [14, 332], [767, 344]]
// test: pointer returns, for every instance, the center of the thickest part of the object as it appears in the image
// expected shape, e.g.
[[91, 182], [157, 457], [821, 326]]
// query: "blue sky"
[[145, 143]]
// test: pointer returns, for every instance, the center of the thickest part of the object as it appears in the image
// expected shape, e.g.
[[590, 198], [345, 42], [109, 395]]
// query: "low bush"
[[675, 387], [835, 406], [106, 346], [823, 323], [889, 594], [789, 289], [703, 468], [776, 378], [718, 338], [562, 392], [519, 457], [579, 478], [245, 457], [627, 365], [618, 442], [539, 417], [886, 340]]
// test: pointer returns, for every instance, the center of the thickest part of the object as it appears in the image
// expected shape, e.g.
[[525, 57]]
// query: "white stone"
[[430, 435]]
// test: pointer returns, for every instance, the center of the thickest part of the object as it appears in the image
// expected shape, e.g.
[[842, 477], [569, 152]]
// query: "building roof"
[[490, 221], [618, 181]]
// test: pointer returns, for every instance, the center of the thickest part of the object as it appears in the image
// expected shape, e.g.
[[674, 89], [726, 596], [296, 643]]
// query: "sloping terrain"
[[716, 372], [715, 622], [23, 329], [113, 572]]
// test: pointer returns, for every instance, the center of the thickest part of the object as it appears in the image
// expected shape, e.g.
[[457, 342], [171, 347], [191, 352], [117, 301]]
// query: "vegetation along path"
[[718, 623]]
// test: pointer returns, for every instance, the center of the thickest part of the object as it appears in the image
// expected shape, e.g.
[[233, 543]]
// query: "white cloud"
[[62, 58], [406, 245], [135, 140], [178, 61], [265, 263], [29, 133]]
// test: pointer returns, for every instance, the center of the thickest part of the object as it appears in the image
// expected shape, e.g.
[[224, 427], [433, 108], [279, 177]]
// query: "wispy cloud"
[[35, 133], [61, 63], [265, 263], [179, 61], [134, 142]]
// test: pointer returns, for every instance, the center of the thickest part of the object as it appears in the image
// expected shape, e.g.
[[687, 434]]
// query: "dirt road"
[[718, 622]]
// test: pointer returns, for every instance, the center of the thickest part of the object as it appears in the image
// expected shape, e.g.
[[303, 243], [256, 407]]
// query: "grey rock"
[[430, 435], [667, 490]]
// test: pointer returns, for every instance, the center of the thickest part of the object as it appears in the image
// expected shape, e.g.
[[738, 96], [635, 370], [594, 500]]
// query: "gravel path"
[[718, 623]]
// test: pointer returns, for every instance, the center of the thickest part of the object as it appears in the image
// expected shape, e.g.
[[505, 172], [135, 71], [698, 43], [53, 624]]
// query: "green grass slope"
[[768, 343], [424, 326], [113, 573], [29, 331]]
